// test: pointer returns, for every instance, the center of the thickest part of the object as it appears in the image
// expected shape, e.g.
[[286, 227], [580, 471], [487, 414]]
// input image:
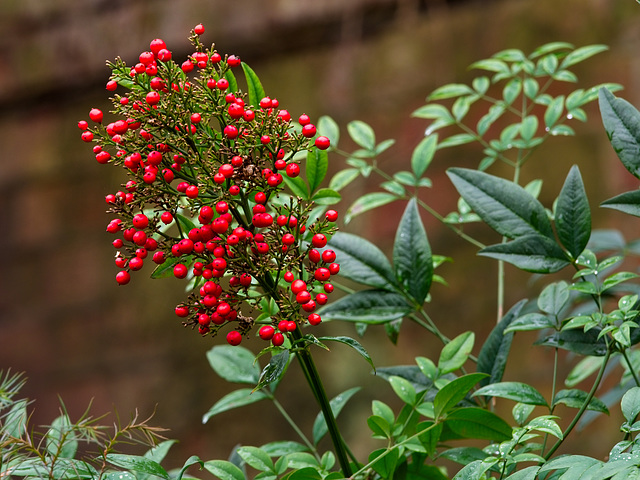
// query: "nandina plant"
[[208, 201]]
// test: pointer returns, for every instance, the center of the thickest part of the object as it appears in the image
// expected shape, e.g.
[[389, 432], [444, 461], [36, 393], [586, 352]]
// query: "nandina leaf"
[[581, 54], [256, 92], [362, 134], [137, 464], [317, 165], [622, 123], [412, 255], [532, 253], [423, 155], [456, 352], [234, 364], [297, 186], [256, 458], [337, 403], [493, 355], [61, 439], [518, 391], [233, 83], [326, 196], [235, 399], [362, 261], [578, 341], [505, 206], [575, 398], [192, 460], [454, 392], [224, 470], [367, 202], [274, 370], [627, 202], [573, 216], [474, 422], [368, 306]]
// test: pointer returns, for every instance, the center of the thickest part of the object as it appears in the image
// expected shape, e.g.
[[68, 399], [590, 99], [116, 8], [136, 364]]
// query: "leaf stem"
[[295, 427], [315, 383]]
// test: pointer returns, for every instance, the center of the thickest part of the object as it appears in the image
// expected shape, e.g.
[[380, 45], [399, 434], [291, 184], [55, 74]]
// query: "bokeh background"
[[80, 337]]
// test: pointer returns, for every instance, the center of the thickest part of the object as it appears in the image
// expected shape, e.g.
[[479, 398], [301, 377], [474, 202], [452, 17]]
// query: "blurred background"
[[80, 337]]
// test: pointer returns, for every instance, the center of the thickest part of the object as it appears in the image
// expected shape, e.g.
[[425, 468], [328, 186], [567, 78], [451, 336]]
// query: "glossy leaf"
[[234, 364], [630, 404], [517, 391], [412, 259], [573, 216], [343, 178], [274, 370], [475, 470], [256, 458], [575, 398], [411, 373], [532, 253], [224, 470], [137, 464], [61, 439], [362, 134], [456, 352], [454, 392], [531, 321], [627, 202], [235, 399], [504, 206], [493, 355], [449, 91], [554, 111], [456, 140], [297, 186], [326, 196], [386, 462], [317, 165], [622, 123], [583, 343], [354, 344], [362, 261], [473, 422], [581, 54], [281, 448], [368, 202], [368, 306], [423, 155], [554, 297], [403, 389], [306, 473], [256, 91], [14, 422]]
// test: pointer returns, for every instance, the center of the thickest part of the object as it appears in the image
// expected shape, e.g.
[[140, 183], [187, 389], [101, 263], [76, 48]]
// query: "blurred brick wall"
[[64, 321]]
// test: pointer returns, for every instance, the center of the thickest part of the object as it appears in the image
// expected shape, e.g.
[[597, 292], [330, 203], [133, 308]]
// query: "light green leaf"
[[256, 458], [235, 399], [473, 422], [368, 202], [326, 196], [449, 91], [317, 165], [453, 392], [517, 391], [630, 404], [403, 389], [61, 438], [455, 140], [224, 470], [234, 364], [456, 352], [554, 111], [297, 186], [575, 398], [256, 92], [343, 178], [554, 297], [137, 464], [423, 155], [581, 54], [362, 134]]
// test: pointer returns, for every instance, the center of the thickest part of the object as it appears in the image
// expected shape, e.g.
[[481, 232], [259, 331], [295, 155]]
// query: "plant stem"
[[293, 425], [584, 406], [313, 378], [631, 370]]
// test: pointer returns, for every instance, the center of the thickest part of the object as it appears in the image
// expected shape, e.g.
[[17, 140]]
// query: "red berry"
[[231, 131], [314, 255], [158, 257], [123, 277], [152, 97], [309, 130], [192, 191], [140, 220], [198, 29], [180, 270], [322, 274], [223, 83], [234, 338], [166, 218], [334, 268], [87, 136], [314, 319], [266, 332], [304, 119], [277, 340], [136, 263], [303, 297], [293, 170], [95, 115], [182, 310], [233, 61], [328, 256], [328, 287], [319, 240], [156, 45], [331, 215], [298, 286], [112, 85], [288, 277], [322, 143]]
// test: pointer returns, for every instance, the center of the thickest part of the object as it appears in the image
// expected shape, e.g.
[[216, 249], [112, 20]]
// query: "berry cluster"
[[205, 198]]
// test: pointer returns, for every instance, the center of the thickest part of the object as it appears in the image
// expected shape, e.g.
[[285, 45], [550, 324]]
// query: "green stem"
[[584, 406], [631, 369], [313, 378], [295, 427], [553, 392]]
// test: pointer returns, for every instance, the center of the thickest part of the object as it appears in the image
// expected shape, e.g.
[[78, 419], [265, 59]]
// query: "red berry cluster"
[[205, 198]]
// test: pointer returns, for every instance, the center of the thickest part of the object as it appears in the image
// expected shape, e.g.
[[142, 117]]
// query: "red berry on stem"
[[266, 332], [123, 277], [95, 114], [234, 338], [198, 29], [322, 143]]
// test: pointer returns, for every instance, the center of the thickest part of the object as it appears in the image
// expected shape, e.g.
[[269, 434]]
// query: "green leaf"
[[489, 118], [256, 458], [554, 111], [473, 422], [456, 352], [554, 297], [326, 196], [165, 270], [343, 178], [224, 470], [383, 410], [532, 253], [456, 140], [233, 83], [630, 404], [137, 464], [274, 370], [192, 460], [368, 306], [449, 91], [548, 48], [362, 134], [622, 123], [281, 448], [423, 155], [379, 426], [362, 261], [337, 403], [412, 255], [368, 202], [575, 398], [578, 341], [493, 355], [504, 206], [583, 369], [581, 54], [481, 84], [528, 473], [385, 464], [234, 364], [476, 470], [511, 90], [573, 216], [403, 389], [297, 186], [517, 391], [531, 88], [256, 92], [61, 438], [15, 421], [531, 321], [235, 399], [353, 344], [529, 127], [317, 165], [306, 473], [436, 112], [328, 127], [453, 392], [492, 65], [627, 202], [545, 424]]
